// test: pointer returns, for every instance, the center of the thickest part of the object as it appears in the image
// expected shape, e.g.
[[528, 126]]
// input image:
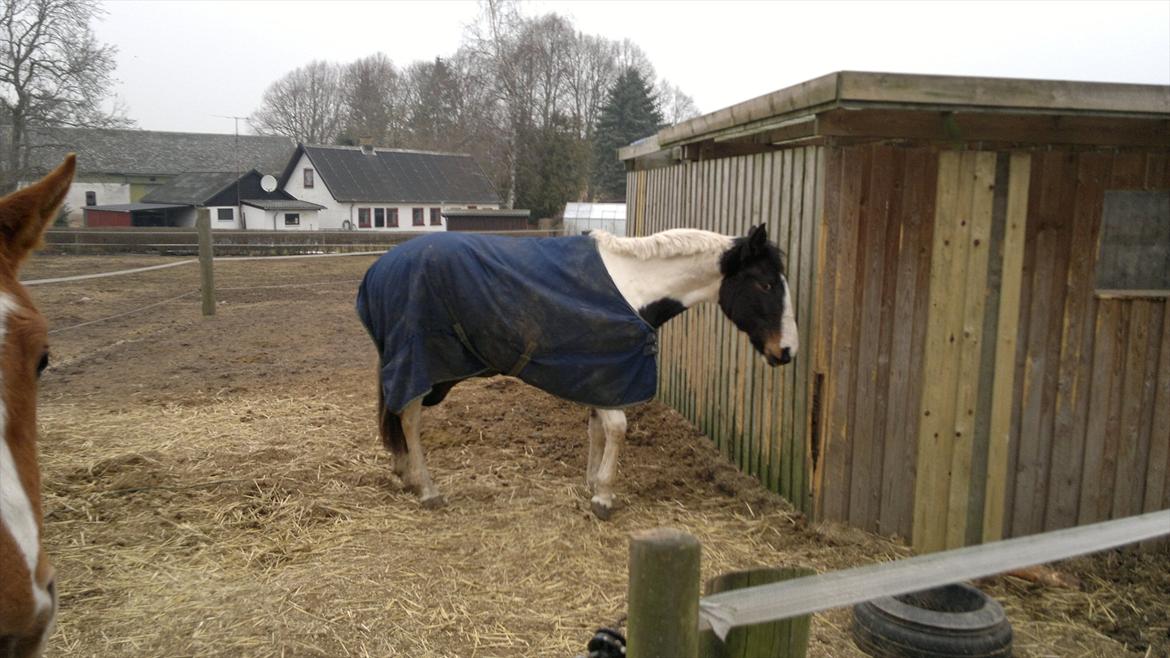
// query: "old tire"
[[945, 622]]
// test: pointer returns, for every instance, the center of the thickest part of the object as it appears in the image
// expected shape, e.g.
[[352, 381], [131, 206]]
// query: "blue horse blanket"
[[448, 306]]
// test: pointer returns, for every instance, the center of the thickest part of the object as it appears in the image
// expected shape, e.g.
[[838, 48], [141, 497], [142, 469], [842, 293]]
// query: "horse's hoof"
[[601, 510], [433, 502]]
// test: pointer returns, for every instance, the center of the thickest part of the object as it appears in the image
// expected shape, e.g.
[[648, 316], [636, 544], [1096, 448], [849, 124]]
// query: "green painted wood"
[[780, 639]]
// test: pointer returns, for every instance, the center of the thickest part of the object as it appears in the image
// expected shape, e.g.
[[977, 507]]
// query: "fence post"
[[207, 278], [663, 595]]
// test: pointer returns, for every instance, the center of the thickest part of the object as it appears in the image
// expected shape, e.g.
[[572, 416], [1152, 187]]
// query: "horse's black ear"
[[758, 239]]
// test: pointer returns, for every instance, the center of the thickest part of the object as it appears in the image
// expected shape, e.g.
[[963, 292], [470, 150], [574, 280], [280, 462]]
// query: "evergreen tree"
[[551, 167], [630, 113]]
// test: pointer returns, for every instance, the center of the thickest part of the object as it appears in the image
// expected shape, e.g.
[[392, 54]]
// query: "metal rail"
[[755, 605]]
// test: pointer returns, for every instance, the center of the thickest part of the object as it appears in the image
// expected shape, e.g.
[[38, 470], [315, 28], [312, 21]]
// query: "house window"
[[225, 214], [292, 219], [308, 178], [417, 219], [91, 198], [436, 217], [363, 218], [379, 217], [1135, 241], [392, 218]]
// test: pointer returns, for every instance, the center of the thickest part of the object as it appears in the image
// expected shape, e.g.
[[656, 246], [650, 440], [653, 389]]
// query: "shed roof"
[[134, 207], [282, 204], [486, 212], [396, 176], [150, 152], [954, 107]]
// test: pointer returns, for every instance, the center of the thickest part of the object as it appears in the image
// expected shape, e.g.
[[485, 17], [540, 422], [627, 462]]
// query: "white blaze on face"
[[16, 511], [789, 336]]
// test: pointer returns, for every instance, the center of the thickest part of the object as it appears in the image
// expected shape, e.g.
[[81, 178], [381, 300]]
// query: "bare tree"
[[491, 43], [593, 73], [546, 48], [307, 105], [53, 72], [434, 105], [631, 56], [674, 105], [374, 95]]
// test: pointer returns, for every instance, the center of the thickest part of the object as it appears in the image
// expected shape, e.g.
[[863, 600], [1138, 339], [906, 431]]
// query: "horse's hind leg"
[[393, 438], [417, 475], [613, 423]]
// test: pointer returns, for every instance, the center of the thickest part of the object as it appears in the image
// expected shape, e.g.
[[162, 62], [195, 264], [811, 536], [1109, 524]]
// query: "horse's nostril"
[[785, 356]]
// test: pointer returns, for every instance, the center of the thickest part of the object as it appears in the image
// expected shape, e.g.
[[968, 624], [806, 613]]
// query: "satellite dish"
[[268, 183]]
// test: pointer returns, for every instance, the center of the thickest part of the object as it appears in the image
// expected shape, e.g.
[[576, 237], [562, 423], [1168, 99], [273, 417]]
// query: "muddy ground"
[[214, 486]]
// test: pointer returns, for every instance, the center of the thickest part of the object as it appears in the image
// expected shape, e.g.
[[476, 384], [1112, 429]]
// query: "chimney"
[[367, 144]]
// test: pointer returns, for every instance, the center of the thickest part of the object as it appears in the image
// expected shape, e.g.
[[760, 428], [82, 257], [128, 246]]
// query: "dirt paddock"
[[215, 487]]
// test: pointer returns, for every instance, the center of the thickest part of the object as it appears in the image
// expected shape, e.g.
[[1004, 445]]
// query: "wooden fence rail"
[[185, 241]]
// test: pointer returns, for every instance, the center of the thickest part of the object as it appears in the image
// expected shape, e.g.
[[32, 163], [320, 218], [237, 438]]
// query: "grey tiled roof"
[[393, 176], [149, 152], [193, 188]]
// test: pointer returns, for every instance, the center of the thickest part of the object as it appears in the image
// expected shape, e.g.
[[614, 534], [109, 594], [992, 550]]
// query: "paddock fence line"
[[184, 241], [804, 596]]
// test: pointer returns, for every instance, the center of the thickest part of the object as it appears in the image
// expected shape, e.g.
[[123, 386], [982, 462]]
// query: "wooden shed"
[[980, 269]]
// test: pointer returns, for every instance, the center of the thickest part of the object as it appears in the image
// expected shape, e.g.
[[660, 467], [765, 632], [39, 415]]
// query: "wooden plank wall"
[[1055, 400], [1091, 420], [875, 250], [968, 370], [758, 416]]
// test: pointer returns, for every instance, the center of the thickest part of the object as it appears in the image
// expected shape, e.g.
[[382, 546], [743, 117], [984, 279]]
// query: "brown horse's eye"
[[43, 363], [765, 287]]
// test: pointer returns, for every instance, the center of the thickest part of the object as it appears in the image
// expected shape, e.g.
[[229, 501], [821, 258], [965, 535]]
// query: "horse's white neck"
[[680, 265]]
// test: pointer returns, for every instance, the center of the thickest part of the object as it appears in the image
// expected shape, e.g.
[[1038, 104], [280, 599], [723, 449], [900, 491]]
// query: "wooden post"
[[663, 595], [207, 279], [787, 638]]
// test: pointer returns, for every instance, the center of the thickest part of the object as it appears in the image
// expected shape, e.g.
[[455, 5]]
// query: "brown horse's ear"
[[25, 214]]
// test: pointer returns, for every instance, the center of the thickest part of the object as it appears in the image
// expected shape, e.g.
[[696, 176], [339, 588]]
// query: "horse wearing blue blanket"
[[574, 316]]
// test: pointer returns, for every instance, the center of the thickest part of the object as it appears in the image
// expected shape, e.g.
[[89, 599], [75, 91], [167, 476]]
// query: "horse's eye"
[[764, 286], [43, 363]]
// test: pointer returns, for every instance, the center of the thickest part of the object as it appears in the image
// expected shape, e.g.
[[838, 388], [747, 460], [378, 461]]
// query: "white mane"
[[673, 242]]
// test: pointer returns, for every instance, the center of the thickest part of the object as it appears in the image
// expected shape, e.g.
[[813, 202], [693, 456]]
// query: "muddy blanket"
[[449, 306]]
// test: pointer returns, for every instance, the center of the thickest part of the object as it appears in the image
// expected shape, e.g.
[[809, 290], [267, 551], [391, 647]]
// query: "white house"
[[120, 167], [375, 189], [233, 202]]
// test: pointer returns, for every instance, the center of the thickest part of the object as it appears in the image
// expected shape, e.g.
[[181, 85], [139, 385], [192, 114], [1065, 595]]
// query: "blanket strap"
[[522, 362]]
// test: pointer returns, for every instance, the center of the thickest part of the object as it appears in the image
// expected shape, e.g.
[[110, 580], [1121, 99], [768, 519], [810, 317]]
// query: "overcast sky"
[[181, 63]]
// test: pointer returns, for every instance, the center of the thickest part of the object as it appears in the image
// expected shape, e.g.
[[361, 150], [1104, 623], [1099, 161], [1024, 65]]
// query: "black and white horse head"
[[754, 295]]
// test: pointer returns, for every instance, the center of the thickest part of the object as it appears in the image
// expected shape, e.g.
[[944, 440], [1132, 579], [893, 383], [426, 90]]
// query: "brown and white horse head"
[[754, 295], [28, 598]]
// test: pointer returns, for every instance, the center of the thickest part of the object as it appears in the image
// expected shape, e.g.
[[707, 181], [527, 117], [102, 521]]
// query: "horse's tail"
[[389, 424]]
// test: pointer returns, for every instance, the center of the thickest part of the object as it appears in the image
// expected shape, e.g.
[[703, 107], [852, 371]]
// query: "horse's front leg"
[[417, 475], [613, 424], [596, 448]]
